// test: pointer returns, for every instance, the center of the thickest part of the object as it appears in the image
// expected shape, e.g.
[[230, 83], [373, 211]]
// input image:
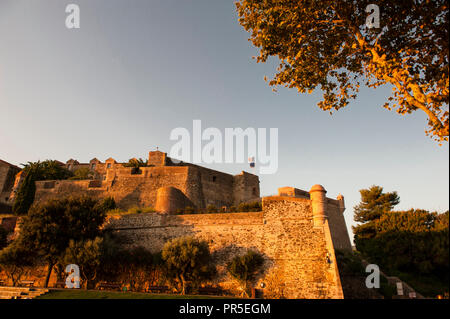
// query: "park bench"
[[210, 291], [159, 289], [109, 285], [60, 284], [25, 283]]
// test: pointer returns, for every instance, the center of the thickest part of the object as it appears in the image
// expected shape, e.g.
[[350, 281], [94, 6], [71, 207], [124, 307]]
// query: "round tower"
[[340, 199], [319, 204]]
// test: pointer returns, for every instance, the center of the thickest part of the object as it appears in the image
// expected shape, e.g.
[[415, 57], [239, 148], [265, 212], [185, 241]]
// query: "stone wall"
[[299, 258], [201, 186], [341, 239], [7, 175]]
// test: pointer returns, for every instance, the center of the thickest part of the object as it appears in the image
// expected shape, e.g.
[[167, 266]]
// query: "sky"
[[137, 69]]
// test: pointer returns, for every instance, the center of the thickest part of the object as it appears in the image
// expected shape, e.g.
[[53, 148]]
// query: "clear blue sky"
[[137, 69]]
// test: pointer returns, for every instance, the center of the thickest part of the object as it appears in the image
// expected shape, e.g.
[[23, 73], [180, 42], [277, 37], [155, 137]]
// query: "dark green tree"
[[373, 204], [136, 163], [49, 227], [87, 254], [245, 269], [188, 259], [82, 174], [14, 261], [36, 171], [25, 195], [107, 204], [413, 243]]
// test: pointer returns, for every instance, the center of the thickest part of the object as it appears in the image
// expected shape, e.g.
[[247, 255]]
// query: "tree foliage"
[[413, 242], [326, 44], [49, 227], [188, 259], [87, 254], [25, 195], [82, 173], [14, 260], [36, 171], [136, 163], [47, 170], [374, 203], [245, 269]]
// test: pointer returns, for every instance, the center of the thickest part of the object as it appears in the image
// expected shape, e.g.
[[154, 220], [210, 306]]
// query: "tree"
[[107, 204], [82, 173], [87, 254], [49, 227], [36, 171], [25, 195], [15, 260], [413, 243], [245, 269], [373, 204], [188, 259], [327, 44], [136, 163], [47, 170]]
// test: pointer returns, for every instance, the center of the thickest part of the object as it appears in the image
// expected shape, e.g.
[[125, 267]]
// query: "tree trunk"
[[183, 285], [49, 272]]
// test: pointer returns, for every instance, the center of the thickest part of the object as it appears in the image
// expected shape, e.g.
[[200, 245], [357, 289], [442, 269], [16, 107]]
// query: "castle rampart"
[[299, 256]]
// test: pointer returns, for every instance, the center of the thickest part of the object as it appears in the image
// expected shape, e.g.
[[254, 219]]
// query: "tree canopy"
[[245, 269], [188, 259], [36, 171], [49, 227], [326, 44]]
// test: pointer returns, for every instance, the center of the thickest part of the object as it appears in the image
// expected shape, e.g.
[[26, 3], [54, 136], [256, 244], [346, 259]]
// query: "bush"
[[25, 195], [140, 210], [188, 260], [82, 174], [245, 269], [107, 204]]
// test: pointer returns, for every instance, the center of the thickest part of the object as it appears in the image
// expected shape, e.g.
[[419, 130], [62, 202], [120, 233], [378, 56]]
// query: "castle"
[[297, 231]]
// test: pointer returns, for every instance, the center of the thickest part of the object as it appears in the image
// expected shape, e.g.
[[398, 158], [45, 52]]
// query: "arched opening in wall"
[[108, 165], [254, 191], [214, 178]]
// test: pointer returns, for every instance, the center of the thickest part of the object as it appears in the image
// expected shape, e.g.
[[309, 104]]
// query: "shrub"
[[108, 204], [245, 269], [187, 259], [82, 173]]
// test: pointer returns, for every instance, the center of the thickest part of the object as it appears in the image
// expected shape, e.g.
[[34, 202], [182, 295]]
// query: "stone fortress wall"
[[297, 231], [293, 233], [201, 186], [8, 173]]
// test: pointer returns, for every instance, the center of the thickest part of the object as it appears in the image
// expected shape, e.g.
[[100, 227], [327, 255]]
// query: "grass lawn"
[[96, 294]]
